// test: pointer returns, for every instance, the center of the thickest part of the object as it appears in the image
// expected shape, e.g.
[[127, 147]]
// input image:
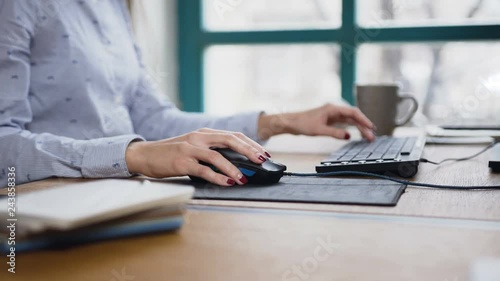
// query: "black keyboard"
[[385, 155]]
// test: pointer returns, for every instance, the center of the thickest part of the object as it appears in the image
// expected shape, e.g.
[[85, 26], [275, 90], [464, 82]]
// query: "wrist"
[[134, 157], [275, 124]]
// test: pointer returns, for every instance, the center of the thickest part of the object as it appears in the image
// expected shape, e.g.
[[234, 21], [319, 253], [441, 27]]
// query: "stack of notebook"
[[92, 211]]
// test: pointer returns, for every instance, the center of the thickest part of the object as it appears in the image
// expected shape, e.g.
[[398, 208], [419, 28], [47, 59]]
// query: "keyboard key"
[[390, 156], [355, 150], [346, 158], [398, 143], [360, 157], [330, 161], [383, 148], [392, 151], [333, 157], [408, 146], [374, 157]]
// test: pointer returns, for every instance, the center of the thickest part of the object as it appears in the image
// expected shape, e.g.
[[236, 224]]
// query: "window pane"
[[274, 78], [452, 81], [275, 14], [376, 13]]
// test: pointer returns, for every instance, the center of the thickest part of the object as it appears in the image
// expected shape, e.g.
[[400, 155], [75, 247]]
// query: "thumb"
[[334, 132]]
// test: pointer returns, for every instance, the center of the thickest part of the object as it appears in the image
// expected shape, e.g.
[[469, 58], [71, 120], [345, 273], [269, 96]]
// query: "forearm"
[[270, 125], [166, 121], [179, 123], [155, 118]]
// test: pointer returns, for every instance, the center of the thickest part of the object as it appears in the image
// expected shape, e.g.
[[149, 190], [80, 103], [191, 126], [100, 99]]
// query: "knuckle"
[[226, 167], [193, 136], [214, 158], [239, 135], [184, 147], [231, 138], [248, 147], [350, 112], [214, 155], [205, 172], [237, 142], [230, 167]]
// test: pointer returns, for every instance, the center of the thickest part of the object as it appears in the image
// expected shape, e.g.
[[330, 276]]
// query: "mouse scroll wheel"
[[247, 172]]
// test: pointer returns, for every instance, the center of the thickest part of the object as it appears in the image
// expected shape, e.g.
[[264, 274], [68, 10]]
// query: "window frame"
[[193, 40]]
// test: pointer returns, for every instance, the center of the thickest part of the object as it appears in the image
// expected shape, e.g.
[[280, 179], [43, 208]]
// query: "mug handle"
[[413, 110]]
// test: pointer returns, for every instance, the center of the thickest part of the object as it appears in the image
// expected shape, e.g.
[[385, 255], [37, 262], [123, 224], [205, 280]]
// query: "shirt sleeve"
[[155, 117], [39, 156]]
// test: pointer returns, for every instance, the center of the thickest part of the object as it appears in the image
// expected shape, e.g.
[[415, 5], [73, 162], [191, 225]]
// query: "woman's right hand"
[[180, 156]]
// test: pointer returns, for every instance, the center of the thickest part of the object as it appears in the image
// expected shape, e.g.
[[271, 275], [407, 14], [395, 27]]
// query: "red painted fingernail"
[[347, 136], [267, 154], [243, 179], [230, 181], [261, 158]]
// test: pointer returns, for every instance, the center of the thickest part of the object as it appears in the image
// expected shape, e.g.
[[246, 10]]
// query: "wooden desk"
[[430, 235]]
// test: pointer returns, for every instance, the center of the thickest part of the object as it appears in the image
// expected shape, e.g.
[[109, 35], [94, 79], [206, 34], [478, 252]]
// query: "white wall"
[[155, 24]]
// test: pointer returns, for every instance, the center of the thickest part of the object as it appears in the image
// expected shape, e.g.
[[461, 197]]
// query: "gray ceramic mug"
[[380, 104]]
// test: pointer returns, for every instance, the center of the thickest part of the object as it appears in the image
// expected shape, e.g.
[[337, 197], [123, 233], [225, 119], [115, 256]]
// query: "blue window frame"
[[193, 39]]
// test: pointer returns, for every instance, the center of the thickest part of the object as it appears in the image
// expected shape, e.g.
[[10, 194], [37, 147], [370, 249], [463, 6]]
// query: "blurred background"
[[451, 79]]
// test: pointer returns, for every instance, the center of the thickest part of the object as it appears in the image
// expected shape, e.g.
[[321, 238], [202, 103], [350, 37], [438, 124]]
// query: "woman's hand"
[[181, 155], [317, 122]]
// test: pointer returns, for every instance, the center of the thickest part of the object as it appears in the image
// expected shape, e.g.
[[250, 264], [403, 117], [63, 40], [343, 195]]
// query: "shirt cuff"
[[105, 157], [249, 125]]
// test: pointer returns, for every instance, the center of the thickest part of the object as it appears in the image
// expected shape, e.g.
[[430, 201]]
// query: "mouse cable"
[[424, 160], [405, 182]]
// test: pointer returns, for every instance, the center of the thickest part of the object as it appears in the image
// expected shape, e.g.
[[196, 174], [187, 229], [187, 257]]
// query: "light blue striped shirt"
[[74, 92]]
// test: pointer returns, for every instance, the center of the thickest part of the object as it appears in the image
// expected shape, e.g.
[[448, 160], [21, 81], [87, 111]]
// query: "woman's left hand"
[[319, 121]]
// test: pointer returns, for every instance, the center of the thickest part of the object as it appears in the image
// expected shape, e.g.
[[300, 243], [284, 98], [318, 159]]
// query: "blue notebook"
[[91, 211], [65, 239]]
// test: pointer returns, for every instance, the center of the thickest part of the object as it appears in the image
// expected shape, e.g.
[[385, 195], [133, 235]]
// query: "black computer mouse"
[[266, 173]]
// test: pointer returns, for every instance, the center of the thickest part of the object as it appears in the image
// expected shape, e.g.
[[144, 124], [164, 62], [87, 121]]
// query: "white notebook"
[[436, 131], [81, 204]]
